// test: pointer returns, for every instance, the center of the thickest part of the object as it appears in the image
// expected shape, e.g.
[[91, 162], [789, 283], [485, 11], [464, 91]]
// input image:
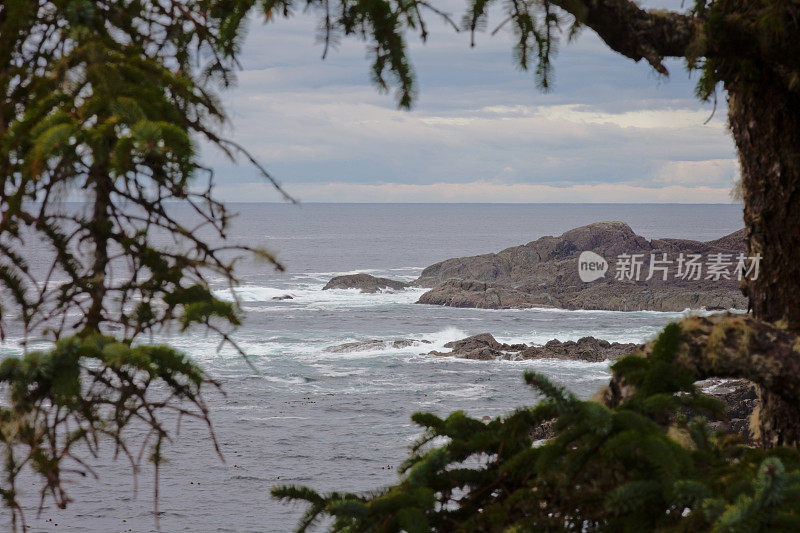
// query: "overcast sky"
[[610, 130]]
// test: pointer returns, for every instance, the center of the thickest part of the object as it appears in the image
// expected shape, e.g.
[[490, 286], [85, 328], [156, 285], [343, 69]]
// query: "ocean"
[[341, 420]]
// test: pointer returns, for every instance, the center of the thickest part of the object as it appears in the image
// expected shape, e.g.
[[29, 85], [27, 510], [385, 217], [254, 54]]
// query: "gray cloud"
[[479, 126]]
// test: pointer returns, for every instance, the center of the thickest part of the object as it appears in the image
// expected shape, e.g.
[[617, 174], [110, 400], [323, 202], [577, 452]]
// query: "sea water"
[[301, 415]]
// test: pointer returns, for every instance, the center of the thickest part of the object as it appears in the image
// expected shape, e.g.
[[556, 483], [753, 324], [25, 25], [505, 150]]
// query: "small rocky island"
[[485, 347], [544, 273], [365, 283]]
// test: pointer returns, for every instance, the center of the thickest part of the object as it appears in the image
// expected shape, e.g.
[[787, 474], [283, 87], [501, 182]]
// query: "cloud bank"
[[483, 192], [610, 131]]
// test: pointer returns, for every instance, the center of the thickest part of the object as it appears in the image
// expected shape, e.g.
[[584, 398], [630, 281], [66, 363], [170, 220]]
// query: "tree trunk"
[[765, 121], [99, 231]]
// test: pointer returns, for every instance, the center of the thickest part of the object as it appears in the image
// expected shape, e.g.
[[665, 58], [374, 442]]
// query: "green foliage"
[[108, 98], [62, 403], [383, 24], [104, 101], [641, 466], [536, 26]]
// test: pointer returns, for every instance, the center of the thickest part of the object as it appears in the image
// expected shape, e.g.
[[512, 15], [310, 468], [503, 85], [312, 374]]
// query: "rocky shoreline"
[[544, 273], [485, 347]]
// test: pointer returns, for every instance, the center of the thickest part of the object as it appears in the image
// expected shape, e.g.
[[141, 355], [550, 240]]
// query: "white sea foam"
[[403, 274], [311, 296], [449, 334], [621, 335], [469, 392], [250, 293]]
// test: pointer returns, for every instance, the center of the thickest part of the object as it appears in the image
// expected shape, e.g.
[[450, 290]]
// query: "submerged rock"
[[365, 282], [373, 345], [283, 297]]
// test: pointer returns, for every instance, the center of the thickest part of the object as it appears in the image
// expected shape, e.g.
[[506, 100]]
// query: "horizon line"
[[301, 202]]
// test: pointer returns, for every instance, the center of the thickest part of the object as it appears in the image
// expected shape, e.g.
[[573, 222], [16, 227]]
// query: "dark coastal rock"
[[482, 295], [482, 346], [365, 282], [482, 354], [485, 347], [481, 340], [521, 264], [544, 273], [597, 296], [586, 349], [373, 345], [740, 398]]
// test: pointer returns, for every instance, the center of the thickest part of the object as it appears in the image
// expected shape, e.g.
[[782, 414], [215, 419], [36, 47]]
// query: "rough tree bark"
[[765, 121]]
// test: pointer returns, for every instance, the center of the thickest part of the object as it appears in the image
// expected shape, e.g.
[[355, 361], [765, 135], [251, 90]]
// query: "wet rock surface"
[[586, 349], [484, 346], [365, 282], [374, 345], [740, 398]]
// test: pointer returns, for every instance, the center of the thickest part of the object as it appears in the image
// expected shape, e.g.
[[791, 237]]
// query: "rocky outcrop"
[[480, 340], [544, 273], [740, 398], [364, 282], [485, 347], [585, 349], [482, 295], [482, 346], [601, 296], [373, 345]]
